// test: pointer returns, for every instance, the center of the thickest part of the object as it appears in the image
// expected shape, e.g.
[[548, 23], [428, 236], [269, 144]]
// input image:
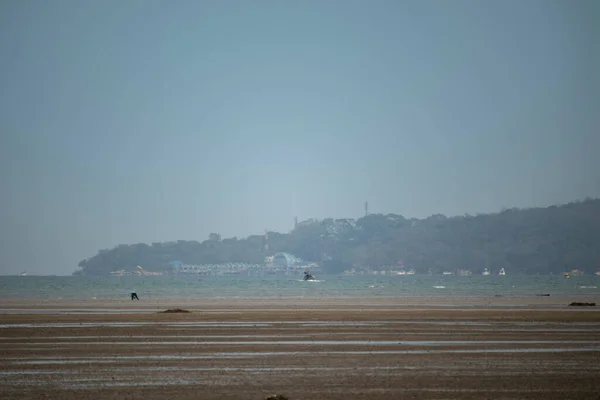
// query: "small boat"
[[308, 276], [485, 272], [502, 272], [24, 273]]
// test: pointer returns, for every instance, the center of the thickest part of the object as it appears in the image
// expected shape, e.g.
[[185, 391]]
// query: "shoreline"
[[557, 303]]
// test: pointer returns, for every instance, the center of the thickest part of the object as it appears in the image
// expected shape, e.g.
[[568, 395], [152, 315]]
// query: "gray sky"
[[141, 121]]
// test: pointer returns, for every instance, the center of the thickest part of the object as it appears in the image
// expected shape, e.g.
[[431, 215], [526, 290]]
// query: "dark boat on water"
[[308, 276]]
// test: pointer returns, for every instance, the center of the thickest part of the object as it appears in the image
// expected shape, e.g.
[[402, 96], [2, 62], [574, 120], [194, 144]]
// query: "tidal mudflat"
[[305, 350]]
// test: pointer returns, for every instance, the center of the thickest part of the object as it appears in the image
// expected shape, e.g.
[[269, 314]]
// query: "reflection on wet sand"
[[371, 352]]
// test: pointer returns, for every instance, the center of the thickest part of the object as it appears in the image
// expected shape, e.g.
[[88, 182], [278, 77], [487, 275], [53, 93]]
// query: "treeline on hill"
[[526, 241]]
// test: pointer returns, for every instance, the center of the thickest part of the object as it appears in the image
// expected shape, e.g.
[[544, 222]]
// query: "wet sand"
[[535, 348]]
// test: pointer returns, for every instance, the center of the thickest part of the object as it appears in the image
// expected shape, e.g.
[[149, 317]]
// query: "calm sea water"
[[328, 287]]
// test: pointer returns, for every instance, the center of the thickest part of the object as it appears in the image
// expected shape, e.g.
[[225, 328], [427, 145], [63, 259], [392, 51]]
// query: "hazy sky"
[[142, 121]]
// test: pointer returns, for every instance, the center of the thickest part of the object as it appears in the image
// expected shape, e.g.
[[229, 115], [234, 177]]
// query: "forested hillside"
[[529, 241]]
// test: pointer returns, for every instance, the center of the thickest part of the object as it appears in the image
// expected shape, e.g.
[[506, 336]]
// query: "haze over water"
[[357, 288], [150, 121]]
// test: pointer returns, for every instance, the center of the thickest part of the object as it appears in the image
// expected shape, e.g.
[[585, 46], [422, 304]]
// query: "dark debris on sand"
[[580, 304], [276, 397], [175, 310]]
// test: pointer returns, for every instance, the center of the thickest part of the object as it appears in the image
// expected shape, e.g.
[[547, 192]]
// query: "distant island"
[[521, 241]]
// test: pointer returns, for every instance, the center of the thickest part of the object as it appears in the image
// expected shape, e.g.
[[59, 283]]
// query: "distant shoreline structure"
[[534, 241]]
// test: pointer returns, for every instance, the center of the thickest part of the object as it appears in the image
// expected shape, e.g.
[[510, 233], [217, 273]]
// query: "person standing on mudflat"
[[134, 295]]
